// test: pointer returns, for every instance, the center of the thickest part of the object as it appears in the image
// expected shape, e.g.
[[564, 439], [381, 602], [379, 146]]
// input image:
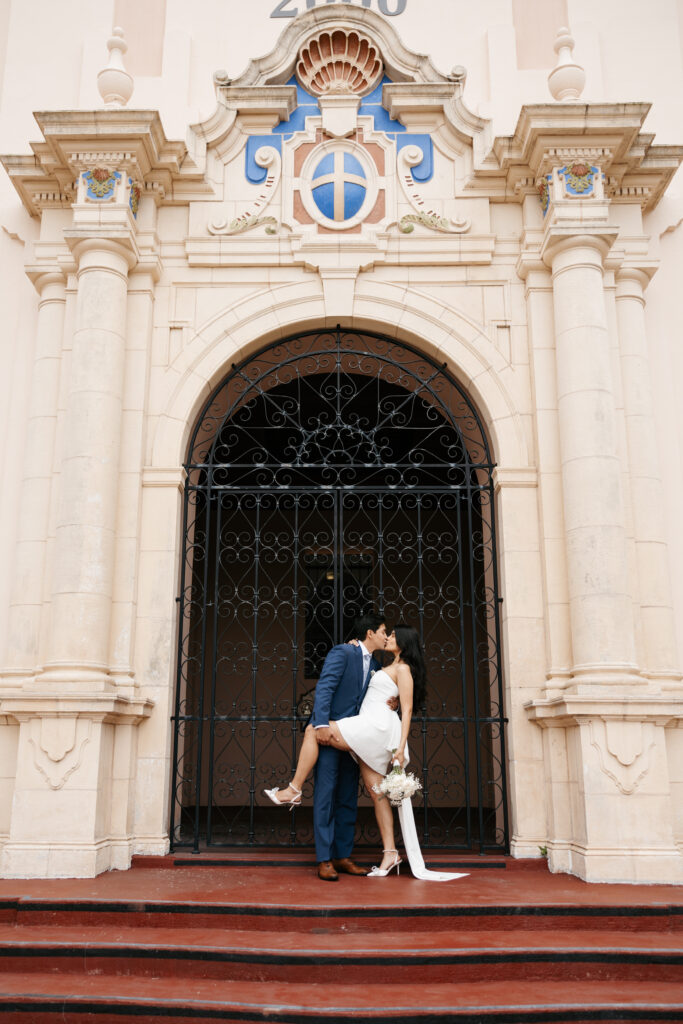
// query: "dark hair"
[[408, 640], [369, 621]]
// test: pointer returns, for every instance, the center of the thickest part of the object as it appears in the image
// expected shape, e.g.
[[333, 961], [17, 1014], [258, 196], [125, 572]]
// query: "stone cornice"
[[132, 141], [423, 106], [608, 135]]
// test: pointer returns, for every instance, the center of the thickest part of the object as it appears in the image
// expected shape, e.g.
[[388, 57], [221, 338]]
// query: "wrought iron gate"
[[334, 473]]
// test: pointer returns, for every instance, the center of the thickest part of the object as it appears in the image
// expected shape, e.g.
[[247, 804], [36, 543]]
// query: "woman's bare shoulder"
[[403, 673]]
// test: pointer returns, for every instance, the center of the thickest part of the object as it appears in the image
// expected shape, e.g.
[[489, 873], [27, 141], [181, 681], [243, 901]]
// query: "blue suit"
[[338, 694]]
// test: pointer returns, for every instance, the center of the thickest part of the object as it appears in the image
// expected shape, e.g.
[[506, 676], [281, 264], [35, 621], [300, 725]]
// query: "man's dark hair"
[[369, 621]]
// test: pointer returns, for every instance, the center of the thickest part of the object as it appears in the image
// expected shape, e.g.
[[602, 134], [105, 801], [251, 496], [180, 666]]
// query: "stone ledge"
[[571, 709], [102, 707]]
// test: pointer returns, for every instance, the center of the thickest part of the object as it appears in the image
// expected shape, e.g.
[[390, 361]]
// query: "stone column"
[[617, 780], [596, 545], [78, 645], [28, 568], [658, 629], [75, 758]]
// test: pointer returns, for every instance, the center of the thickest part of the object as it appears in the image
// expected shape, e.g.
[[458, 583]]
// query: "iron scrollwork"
[[331, 473]]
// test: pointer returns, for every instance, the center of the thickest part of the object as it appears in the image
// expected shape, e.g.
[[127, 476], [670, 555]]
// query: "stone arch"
[[335, 455], [442, 332]]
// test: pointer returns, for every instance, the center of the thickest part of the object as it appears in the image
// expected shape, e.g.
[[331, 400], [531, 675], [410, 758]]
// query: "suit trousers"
[[335, 804]]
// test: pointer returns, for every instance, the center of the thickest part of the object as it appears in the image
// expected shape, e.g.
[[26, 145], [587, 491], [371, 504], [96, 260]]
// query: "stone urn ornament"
[[113, 81], [567, 79]]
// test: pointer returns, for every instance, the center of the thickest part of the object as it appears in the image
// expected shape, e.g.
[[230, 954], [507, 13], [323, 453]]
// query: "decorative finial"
[[567, 79], [114, 82], [458, 74]]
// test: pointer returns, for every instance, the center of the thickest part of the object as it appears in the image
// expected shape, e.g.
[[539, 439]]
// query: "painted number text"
[[290, 8]]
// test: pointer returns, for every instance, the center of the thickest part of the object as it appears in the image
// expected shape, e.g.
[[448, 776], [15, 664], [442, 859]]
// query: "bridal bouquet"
[[397, 786]]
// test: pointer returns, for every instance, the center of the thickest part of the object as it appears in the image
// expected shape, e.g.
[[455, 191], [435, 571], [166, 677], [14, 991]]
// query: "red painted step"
[[257, 943], [26, 997], [287, 956], [366, 916]]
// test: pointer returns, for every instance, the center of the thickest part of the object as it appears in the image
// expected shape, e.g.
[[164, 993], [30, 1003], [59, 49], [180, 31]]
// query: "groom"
[[339, 694]]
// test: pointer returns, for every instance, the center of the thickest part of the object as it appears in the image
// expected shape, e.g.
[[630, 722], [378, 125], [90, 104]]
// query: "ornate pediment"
[[340, 135]]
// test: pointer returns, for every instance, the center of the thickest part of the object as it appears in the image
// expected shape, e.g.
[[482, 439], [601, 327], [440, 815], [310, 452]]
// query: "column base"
[[525, 848], [609, 775], [71, 808], [64, 860], [151, 846], [616, 864]]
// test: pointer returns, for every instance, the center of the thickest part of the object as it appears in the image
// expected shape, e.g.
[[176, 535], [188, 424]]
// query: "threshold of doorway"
[[305, 859]]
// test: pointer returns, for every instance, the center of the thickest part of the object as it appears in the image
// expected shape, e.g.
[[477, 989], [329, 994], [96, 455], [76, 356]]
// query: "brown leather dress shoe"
[[348, 867], [327, 872]]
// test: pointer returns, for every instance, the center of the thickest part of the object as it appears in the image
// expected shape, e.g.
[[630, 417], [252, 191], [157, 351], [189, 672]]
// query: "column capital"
[[50, 283], [93, 248], [632, 280], [532, 270], [563, 240]]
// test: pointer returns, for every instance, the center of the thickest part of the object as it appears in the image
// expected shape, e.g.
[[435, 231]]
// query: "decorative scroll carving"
[[243, 223], [266, 157], [624, 750], [58, 747], [408, 157]]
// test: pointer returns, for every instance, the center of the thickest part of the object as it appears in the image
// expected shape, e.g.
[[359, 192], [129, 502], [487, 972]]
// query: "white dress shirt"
[[367, 658]]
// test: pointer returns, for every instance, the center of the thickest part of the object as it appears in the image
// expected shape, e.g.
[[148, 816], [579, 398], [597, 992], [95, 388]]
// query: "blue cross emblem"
[[339, 186]]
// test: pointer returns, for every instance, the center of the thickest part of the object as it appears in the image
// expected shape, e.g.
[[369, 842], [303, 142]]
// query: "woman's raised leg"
[[308, 755], [383, 812]]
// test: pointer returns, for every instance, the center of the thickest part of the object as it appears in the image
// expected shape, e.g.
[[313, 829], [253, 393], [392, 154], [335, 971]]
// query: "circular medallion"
[[338, 184]]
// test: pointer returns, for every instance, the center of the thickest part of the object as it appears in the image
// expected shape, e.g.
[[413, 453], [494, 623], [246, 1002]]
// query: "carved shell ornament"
[[339, 61]]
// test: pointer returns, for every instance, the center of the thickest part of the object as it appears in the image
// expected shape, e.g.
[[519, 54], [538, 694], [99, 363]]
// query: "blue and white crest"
[[339, 186]]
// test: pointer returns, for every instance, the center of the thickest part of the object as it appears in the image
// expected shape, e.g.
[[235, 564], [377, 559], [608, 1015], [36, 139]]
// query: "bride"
[[375, 737]]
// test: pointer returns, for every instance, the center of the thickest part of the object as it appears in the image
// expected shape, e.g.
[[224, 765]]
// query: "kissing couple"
[[355, 727]]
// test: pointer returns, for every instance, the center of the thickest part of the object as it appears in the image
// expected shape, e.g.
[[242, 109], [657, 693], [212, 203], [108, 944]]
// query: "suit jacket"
[[340, 689]]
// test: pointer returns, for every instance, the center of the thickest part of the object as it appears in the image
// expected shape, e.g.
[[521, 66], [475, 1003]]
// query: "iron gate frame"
[[388, 353]]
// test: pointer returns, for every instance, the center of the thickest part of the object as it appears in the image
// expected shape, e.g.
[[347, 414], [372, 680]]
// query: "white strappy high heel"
[[272, 794], [383, 872]]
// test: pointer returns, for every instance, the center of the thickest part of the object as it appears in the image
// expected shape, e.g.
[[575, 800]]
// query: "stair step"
[[52, 998], [365, 918], [351, 959]]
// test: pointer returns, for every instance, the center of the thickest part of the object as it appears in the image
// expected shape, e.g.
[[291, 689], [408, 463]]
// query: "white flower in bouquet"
[[398, 786]]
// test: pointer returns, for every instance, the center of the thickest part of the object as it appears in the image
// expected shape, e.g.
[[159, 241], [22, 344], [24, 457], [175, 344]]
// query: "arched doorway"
[[335, 472]]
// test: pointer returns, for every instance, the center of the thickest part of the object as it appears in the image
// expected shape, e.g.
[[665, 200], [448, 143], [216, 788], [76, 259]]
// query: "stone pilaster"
[[28, 569], [656, 613], [540, 311]]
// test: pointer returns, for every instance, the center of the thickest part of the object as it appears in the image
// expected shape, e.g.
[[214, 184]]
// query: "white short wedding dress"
[[372, 735]]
